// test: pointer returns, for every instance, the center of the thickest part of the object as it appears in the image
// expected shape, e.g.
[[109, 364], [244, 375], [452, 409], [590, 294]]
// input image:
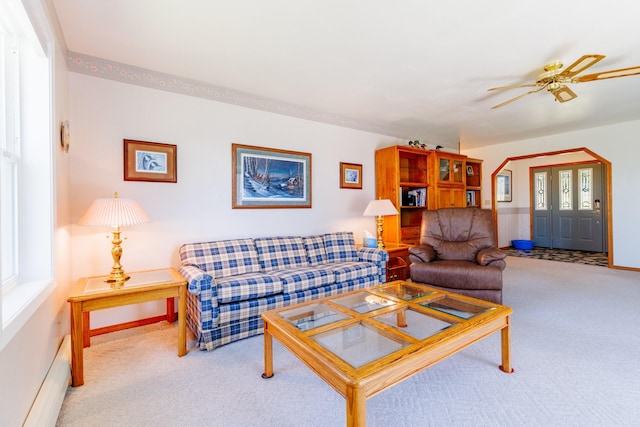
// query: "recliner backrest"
[[458, 233]]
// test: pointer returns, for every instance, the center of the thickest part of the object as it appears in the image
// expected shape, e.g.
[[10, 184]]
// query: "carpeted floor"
[[575, 346], [562, 255]]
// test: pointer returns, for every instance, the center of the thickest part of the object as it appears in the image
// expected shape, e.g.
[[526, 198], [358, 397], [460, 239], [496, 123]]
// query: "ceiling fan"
[[555, 77]]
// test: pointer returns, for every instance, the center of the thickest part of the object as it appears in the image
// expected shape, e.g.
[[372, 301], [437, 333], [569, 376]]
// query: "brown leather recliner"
[[458, 253]]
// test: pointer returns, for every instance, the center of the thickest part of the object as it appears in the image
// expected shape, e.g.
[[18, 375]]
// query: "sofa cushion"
[[345, 271], [301, 279], [247, 286], [316, 254], [340, 247], [277, 253], [222, 258]]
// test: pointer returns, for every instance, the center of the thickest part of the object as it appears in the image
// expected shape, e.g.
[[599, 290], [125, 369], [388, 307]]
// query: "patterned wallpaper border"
[[124, 73]]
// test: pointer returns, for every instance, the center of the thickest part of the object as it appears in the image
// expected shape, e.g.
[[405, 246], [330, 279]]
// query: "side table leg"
[[268, 352], [182, 320], [506, 348], [77, 366], [356, 407]]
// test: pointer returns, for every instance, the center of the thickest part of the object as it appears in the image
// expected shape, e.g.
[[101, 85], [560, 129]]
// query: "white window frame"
[[29, 145]]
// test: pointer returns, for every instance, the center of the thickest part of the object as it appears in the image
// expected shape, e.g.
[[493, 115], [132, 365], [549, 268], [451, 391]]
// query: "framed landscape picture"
[[350, 175], [150, 161], [270, 178]]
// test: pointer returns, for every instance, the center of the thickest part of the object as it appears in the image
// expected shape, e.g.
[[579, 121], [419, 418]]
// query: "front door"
[[568, 207]]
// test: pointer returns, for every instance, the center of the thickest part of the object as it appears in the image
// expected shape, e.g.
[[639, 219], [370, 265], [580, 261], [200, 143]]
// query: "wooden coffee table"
[[365, 341]]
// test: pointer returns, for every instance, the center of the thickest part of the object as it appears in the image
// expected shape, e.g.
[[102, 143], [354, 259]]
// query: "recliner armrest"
[[487, 256], [422, 253]]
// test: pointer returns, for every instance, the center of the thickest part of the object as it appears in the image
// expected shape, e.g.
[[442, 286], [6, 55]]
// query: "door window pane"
[[586, 189], [540, 179], [566, 190]]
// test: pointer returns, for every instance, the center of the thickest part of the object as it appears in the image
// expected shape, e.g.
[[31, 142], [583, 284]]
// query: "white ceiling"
[[418, 68]]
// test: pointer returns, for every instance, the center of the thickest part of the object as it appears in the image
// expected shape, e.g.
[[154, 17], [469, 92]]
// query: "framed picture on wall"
[[503, 186], [350, 175], [270, 178], [150, 161]]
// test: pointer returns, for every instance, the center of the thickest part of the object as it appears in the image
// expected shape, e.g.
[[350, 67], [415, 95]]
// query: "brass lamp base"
[[379, 223], [118, 277]]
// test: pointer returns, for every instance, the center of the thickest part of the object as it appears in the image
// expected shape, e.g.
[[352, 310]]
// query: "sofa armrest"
[[198, 280], [491, 256], [378, 257], [422, 253], [374, 255]]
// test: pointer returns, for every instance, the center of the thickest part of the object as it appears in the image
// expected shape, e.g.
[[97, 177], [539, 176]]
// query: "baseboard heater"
[[46, 407]]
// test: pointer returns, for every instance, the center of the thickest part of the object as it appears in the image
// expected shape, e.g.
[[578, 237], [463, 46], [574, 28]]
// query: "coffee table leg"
[[506, 348], [268, 353], [356, 407], [401, 318]]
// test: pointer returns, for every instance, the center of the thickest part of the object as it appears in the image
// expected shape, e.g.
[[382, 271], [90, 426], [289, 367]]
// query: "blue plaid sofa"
[[232, 282]]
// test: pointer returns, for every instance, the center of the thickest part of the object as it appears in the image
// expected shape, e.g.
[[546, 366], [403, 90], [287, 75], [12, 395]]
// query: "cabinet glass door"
[[444, 169], [457, 171]]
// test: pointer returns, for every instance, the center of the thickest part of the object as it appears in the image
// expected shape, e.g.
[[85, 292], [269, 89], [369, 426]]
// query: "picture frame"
[[470, 170], [150, 161], [351, 175], [266, 178], [503, 186]]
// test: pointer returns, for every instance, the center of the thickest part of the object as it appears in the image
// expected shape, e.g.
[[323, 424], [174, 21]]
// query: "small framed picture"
[[350, 175], [470, 170], [503, 186], [150, 161]]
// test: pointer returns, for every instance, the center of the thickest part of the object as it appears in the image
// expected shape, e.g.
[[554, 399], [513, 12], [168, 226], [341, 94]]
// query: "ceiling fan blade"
[[519, 96], [513, 86], [563, 94], [622, 72], [580, 65]]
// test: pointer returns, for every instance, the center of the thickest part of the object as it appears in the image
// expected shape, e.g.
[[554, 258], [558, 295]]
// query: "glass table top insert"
[[455, 307], [312, 316], [412, 322], [404, 291], [363, 302], [359, 343]]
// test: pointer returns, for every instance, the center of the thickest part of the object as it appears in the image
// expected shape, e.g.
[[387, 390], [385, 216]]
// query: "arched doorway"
[[513, 160]]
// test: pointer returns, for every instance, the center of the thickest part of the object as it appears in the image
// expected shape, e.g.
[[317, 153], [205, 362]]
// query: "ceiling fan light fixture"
[[564, 94], [555, 76]]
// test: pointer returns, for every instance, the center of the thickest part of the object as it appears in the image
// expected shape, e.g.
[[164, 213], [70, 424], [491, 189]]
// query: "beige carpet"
[[575, 349]]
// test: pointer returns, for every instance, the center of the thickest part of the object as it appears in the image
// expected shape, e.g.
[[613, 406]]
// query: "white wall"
[[617, 144], [198, 207]]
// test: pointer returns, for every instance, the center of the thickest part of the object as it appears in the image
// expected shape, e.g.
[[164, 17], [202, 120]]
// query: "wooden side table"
[[93, 293], [398, 264]]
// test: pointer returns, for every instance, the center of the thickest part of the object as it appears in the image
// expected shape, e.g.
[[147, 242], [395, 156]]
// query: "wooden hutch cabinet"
[[415, 180], [402, 176]]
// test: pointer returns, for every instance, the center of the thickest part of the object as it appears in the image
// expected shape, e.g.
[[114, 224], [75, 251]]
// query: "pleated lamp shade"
[[381, 207], [114, 212]]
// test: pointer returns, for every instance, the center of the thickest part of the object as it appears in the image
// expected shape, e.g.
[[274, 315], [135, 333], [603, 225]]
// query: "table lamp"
[[380, 208], [114, 212]]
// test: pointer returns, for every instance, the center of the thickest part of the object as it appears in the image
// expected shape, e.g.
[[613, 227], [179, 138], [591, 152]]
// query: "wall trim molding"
[[111, 70], [48, 402]]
